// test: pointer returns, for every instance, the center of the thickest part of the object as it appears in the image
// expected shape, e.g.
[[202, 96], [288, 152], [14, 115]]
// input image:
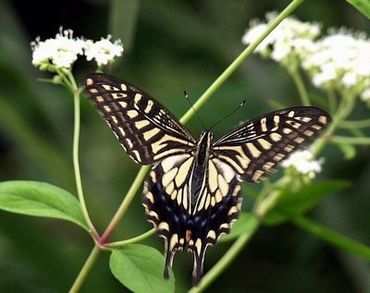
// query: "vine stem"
[[331, 100], [355, 124], [350, 140], [132, 240], [76, 164], [85, 270], [297, 79], [124, 205], [185, 118], [344, 109]]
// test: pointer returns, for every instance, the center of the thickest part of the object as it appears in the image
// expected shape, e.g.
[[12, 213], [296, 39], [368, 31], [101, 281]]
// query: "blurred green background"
[[170, 46]]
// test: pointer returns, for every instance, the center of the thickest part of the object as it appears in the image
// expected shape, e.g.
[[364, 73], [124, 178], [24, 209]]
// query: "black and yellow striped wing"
[[259, 145], [145, 129], [192, 194]]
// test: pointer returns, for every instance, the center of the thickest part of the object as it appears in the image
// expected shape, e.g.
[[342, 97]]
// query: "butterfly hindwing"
[[259, 145], [145, 129], [187, 221]]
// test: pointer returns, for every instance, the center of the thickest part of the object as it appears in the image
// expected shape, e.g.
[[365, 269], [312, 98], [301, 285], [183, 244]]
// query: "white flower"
[[292, 39], [103, 51], [304, 163], [62, 51], [340, 61]]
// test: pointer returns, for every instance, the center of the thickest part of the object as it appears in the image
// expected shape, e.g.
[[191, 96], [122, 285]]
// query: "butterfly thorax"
[[202, 153]]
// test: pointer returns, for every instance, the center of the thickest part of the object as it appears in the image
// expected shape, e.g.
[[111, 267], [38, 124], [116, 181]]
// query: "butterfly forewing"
[[259, 145], [145, 129]]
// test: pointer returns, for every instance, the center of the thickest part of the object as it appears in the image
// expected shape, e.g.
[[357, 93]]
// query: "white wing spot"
[[121, 130], [132, 113], [137, 98], [107, 109], [253, 150], [123, 104], [99, 99], [114, 118], [129, 143], [163, 226], [264, 143], [141, 124], [323, 119], [299, 139], [149, 106], [275, 136], [151, 133], [263, 124], [291, 114]]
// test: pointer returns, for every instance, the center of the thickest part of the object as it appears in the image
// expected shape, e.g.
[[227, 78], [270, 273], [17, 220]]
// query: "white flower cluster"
[[341, 61], [304, 163], [103, 51], [63, 50], [292, 39]]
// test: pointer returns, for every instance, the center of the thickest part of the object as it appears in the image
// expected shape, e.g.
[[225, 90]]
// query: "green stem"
[[355, 124], [332, 104], [224, 261], [344, 109], [132, 240], [350, 140], [90, 261], [241, 58], [302, 91], [333, 237], [263, 206], [124, 205], [76, 164]]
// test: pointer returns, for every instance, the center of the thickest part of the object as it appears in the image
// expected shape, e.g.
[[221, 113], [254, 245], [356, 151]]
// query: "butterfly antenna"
[[195, 112], [228, 115]]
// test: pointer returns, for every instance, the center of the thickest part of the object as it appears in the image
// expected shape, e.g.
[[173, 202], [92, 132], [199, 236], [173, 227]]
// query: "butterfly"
[[192, 194]]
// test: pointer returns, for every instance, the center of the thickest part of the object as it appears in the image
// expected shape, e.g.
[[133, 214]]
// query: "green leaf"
[[333, 237], [140, 269], [294, 203], [40, 199], [361, 5], [348, 150], [246, 223]]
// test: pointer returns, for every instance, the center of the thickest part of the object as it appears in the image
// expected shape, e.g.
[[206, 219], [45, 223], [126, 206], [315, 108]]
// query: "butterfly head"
[[206, 137]]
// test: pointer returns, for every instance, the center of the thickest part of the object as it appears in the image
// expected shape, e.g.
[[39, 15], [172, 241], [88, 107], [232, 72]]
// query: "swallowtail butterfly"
[[192, 194]]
